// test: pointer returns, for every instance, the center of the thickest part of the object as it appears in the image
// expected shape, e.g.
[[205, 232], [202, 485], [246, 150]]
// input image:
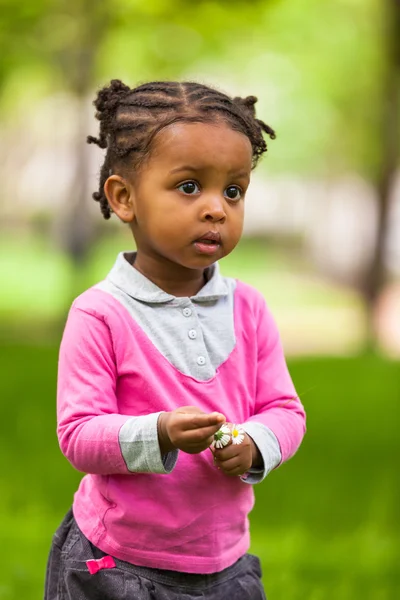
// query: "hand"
[[236, 459], [187, 428]]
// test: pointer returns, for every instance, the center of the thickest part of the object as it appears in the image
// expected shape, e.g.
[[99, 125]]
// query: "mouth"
[[209, 243]]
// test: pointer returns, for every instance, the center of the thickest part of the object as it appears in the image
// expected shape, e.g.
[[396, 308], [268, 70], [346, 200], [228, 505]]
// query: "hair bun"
[[110, 96], [248, 103]]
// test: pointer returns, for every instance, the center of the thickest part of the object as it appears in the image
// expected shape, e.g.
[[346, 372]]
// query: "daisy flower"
[[222, 437], [237, 434]]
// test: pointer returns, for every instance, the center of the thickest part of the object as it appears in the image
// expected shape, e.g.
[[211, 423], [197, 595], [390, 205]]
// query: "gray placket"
[[194, 358], [195, 335]]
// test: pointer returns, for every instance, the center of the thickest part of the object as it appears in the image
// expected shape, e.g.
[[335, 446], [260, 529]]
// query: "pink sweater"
[[194, 519]]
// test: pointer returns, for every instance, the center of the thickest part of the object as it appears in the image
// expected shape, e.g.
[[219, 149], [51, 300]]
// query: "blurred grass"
[[31, 265], [325, 524], [39, 283]]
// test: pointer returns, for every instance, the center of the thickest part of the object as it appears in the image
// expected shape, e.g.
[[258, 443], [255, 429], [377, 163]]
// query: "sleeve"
[[269, 448], [92, 434], [278, 409]]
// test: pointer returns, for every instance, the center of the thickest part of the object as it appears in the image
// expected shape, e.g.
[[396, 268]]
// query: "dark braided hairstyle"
[[130, 118]]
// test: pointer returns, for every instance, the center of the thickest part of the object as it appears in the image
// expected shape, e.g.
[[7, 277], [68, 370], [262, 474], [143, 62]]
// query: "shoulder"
[[97, 303], [98, 319], [249, 297], [252, 310]]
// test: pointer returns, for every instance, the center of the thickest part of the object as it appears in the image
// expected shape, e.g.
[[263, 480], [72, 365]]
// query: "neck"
[[170, 277]]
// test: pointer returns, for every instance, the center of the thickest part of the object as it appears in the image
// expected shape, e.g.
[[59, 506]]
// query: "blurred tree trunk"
[[78, 228], [385, 177], [78, 225], [78, 62]]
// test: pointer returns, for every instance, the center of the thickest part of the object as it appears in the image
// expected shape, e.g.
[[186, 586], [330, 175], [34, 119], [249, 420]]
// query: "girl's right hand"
[[187, 428]]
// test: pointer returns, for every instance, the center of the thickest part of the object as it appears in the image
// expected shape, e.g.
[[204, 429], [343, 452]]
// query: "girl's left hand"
[[236, 459]]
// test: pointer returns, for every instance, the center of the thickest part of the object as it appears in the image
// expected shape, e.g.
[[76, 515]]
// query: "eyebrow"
[[196, 170], [184, 168]]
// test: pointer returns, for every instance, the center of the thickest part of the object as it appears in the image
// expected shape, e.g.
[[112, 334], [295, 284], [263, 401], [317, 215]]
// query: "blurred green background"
[[322, 242]]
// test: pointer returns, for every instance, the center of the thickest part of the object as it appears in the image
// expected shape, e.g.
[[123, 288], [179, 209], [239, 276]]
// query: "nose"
[[214, 210]]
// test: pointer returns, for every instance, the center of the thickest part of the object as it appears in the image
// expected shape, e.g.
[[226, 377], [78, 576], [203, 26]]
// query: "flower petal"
[[222, 437], [238, 434], [225, 429]]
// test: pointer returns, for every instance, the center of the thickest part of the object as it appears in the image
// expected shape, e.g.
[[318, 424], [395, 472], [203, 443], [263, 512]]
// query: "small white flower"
[[237, 434], [222, 437]]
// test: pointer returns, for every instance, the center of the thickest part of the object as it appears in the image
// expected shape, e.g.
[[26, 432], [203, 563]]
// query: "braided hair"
[[130, 118]]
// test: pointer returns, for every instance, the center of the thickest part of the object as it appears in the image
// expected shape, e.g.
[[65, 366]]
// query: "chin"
[[200, 262]]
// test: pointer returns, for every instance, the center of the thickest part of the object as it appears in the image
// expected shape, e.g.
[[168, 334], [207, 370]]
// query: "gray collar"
[[124, 276]]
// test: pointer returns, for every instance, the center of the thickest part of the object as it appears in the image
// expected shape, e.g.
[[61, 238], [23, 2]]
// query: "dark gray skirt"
[[70, 577]]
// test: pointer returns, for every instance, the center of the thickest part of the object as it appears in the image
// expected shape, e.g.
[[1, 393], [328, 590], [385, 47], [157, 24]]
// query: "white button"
[[201, 360], [187, 312], [192, 333]]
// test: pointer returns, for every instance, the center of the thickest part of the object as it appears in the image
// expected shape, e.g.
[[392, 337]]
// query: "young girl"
[[161, 354]]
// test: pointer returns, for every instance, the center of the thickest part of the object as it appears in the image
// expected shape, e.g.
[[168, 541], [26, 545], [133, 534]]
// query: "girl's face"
[[188, 196]]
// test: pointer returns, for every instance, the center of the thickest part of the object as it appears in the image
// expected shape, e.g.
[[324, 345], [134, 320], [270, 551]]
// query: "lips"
[[209, 243], [211, 237]]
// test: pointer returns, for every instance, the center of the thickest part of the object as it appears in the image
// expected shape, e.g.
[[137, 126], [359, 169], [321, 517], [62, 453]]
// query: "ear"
[[120, 196]]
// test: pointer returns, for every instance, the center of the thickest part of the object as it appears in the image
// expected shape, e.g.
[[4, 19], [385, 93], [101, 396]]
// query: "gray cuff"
[[269, 448], [138, 440]]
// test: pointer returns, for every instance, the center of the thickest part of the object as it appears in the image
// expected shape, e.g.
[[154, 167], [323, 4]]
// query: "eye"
[[189, 188], [233, 192]]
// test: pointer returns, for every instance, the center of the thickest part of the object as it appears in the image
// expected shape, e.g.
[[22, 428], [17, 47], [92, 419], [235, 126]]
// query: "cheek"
[[163, 222], [235, 229], [237, 219], [151, 212]]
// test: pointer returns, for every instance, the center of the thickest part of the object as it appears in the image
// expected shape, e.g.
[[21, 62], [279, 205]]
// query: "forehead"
[[202, 145]]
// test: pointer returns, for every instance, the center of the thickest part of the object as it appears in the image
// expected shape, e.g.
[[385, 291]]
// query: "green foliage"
[[17, 45], [325, 524], [316, 66], [49, 277]]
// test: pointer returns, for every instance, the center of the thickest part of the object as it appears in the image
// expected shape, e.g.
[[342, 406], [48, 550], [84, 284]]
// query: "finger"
[[238, 472], [201, 421], [229, 465], [194, 448], [235, 469], [204, 434], [227, 452], [190, 410]]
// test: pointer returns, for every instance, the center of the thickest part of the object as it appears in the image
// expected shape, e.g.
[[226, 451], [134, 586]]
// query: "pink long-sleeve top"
[[187, 516]]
